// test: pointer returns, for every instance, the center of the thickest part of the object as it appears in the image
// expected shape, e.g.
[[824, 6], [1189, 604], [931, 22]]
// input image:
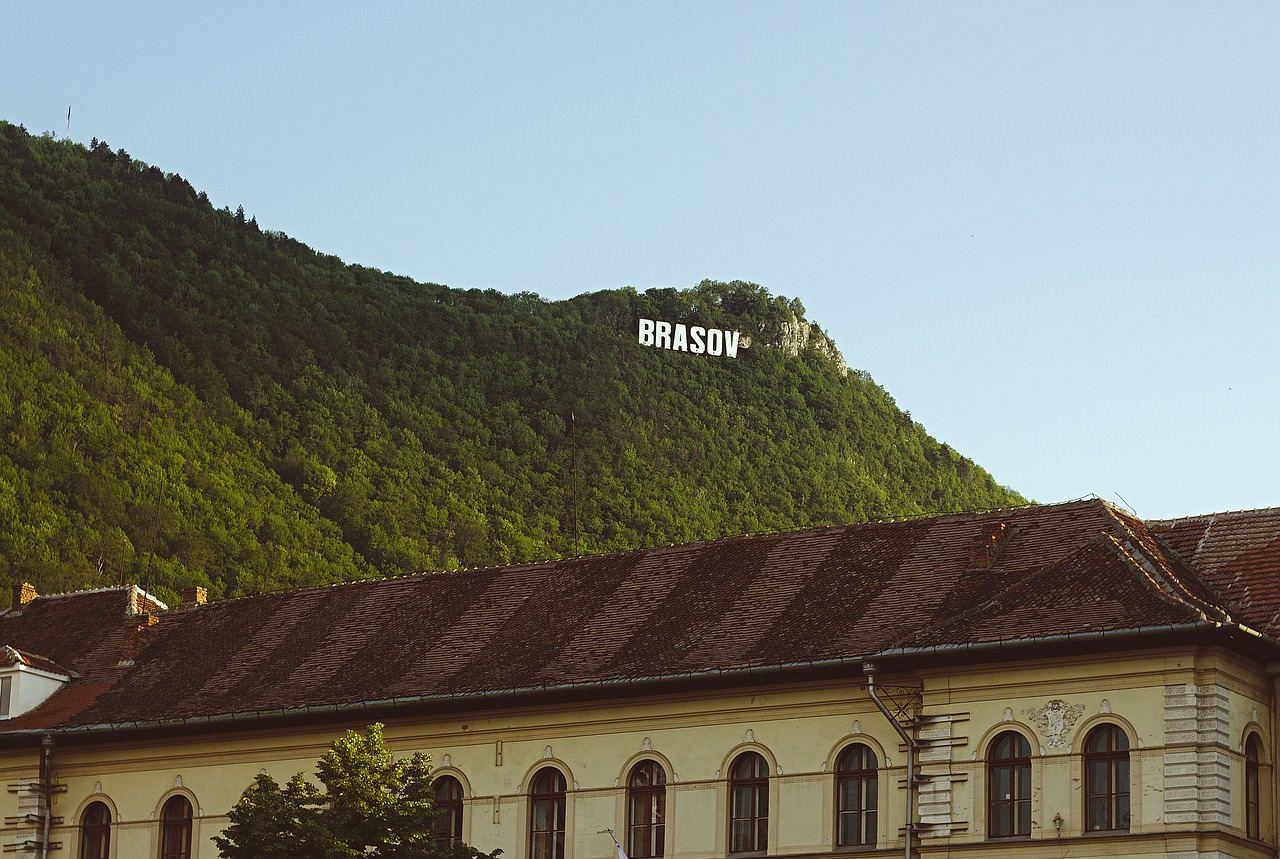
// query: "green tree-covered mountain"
[[186, 398]]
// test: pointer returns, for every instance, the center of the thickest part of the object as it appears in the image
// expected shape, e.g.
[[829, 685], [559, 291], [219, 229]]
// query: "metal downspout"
[[1273, 728], [46, 780], [869, 669]]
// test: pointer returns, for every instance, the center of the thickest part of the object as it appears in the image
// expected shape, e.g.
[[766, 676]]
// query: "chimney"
[[987, 548], [195, 596], [23, 593], [138, 635], [141, 602]]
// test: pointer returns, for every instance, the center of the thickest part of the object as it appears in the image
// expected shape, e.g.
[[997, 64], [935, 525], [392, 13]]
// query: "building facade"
[[1052, 681]]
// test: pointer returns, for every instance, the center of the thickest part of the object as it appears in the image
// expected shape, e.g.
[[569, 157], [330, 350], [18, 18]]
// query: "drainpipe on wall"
[[1273, 726], [46, 781], [869, 669]]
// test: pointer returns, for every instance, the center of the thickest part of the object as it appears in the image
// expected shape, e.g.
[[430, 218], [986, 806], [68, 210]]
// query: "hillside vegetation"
[[186, 398]]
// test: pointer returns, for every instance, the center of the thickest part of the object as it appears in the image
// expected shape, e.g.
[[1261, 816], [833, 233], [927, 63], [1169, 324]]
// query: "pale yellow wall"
[[799, 730]]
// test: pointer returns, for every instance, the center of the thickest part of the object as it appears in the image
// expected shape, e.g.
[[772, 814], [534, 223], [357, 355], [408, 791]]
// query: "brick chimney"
[[195, 596], [142, 602], [23, 593], [138, 635], [987, 548]]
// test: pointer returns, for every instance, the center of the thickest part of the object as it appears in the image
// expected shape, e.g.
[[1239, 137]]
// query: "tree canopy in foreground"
[[372, 805]]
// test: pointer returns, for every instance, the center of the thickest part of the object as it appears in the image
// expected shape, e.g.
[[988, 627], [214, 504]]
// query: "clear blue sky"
[[1050, 230]]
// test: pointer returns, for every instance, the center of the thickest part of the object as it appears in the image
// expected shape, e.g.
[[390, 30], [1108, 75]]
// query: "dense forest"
[[189, 399]]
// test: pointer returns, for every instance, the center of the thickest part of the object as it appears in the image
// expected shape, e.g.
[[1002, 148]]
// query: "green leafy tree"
[[372, 805], [187, 399]]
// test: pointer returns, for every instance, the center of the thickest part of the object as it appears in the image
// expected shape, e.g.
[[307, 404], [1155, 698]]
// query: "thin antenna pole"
[[573, 443], [147, 584], [68, 122]]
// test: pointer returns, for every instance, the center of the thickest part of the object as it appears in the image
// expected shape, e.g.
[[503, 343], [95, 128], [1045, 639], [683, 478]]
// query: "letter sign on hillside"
[[688, 338]]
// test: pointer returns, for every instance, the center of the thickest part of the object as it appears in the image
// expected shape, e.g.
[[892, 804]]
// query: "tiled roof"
[[740, 604], [1239, 555], [12, 656], [61, 708], [78, 631], [79, 635]]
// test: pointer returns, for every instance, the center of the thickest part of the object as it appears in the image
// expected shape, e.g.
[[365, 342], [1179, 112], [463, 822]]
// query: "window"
[[1009, 786], [1252, 787], [749, 804], [646, 810], [95, 832], [1106, 779], [546, 815], [449, 802], [175, 829], [856, 797], [6, 695]]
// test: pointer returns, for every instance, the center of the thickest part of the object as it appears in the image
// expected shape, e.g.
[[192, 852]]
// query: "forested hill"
[[186, 398]]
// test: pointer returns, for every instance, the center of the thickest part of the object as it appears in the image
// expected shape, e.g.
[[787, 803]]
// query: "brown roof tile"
[[12, 656], [61, 708], [81, 631], [1239, 555], [826, 594]]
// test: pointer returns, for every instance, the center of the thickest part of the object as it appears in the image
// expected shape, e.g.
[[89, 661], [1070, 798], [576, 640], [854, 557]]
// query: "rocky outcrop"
[[795, 336]]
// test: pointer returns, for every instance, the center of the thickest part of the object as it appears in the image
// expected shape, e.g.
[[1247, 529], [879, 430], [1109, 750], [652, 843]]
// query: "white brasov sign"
[[688, 338]]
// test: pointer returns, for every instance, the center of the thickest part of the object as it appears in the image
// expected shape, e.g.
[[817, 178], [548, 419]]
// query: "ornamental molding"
[[1055, 719]]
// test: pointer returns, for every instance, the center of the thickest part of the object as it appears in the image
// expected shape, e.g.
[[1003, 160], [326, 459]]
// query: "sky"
[[1050, 230]]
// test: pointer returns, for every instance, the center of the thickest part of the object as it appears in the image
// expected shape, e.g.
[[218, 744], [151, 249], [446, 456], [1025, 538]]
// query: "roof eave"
[[903, 658]]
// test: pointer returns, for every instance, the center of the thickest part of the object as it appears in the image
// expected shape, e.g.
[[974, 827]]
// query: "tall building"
[[1064, 680]]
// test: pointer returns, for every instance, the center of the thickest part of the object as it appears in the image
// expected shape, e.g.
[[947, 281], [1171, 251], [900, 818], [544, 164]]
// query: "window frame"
[[861, 777], [1017, 769], [1113, 762], [1253, 787], [449, 823], [754, 787], [96, 833], [548, 794], [176, 826], [646, 839]]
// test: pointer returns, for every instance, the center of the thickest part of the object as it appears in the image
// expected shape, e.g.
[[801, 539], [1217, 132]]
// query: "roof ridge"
[[102, 590], [691, 545], [1166, 582], [1129, 522], [683, 547], [1198, 517]]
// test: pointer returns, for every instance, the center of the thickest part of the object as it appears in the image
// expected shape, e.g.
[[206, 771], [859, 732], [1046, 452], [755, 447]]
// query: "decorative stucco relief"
[[1055, 719]]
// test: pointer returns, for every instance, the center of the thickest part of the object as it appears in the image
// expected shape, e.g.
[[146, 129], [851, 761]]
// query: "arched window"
[[1106, 779], [449, 803], [95, 831], [175, 829], [646, 810], [1009, 786], [1252, 787], [857, 789], [749, 804], [546, 815]]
